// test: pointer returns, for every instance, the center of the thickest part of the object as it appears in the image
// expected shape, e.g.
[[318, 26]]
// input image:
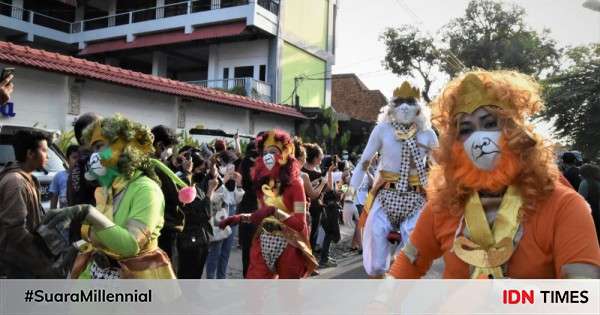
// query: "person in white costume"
[[404, 139]]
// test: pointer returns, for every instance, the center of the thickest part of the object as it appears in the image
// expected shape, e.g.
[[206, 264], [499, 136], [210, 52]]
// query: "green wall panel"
[[307, 20], [297, 63]]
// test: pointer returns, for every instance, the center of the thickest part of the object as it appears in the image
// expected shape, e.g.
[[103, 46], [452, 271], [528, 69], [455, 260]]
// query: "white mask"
[[406, 113], [95, 168], [166, 154], [483, 148], [269, 160]]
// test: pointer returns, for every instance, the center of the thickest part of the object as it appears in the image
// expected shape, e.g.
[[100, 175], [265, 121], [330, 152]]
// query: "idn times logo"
[[512, 296]]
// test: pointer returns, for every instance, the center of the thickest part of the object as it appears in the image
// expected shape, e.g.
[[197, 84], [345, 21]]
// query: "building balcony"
[[249, 87], [182, 15]]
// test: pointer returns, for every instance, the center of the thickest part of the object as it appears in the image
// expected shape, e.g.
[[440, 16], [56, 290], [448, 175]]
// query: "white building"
[[51, 90], [264, 49]]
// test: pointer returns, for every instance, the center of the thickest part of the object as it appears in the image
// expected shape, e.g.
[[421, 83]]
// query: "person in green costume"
[[121, 232]]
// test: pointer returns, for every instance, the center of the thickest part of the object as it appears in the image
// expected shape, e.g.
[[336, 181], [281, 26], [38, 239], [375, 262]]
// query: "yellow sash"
[[487, 250]]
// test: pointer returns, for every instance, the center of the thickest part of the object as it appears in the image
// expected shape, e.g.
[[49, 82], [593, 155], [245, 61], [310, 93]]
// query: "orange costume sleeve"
[[575, 239], [424, 240]]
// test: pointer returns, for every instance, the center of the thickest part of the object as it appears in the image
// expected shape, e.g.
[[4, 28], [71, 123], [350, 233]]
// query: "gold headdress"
[[406, 90], [286, 148], [472, 94]]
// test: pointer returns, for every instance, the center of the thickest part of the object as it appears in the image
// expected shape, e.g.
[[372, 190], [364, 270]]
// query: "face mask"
[[230, 185], [95, 168], [166, 154], [269, 160], [96, 172], [406, 113], [483, 148]]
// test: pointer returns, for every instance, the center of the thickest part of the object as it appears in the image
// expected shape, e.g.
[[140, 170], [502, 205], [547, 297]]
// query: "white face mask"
[[483, 148], [405, 113], [95, 168], [269, 160], [166, 154]]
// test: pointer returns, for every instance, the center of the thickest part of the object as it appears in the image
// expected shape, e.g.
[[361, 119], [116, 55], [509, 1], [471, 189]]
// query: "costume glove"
[[259, 215]]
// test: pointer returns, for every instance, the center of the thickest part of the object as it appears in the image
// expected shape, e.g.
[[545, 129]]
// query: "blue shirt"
[[59, 187]]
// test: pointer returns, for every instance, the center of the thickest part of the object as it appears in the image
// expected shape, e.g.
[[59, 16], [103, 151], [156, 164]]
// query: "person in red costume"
[[280, 249]]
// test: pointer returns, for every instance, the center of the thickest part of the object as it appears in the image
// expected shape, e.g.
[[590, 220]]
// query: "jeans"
[[218, 254], [325, 249], [315, 221]]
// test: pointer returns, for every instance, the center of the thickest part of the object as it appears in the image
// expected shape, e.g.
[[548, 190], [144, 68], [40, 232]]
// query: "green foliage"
[[345, 139], [238, 90], [492, 35], [186, 140], [410, 52], [573, 100], [65, 139]]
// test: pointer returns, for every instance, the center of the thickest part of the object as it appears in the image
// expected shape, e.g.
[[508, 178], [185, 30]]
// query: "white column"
[[159, 64], [17, 10], [215, 4], [213, 62], [160, 11], [112, 10], [79, 17]]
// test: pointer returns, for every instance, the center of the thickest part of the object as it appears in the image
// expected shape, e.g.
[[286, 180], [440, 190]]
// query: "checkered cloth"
[[400, 206], [271, 247], [410, 149], [104, 274]]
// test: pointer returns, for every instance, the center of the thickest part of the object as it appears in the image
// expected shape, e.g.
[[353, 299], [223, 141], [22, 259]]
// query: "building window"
[[262, 73], [243, 72], [226, 73]]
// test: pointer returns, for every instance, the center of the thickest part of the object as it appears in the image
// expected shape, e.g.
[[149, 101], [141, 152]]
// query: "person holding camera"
[[316, 181], [164, 142], [331, 201], [194, 240], [224, 202]]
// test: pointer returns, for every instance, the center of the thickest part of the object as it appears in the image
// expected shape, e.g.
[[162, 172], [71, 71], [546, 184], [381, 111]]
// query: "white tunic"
[[383, 140]]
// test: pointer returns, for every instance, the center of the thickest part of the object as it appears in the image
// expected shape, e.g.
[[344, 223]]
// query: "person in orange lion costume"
[[280, 248], [497, 206]]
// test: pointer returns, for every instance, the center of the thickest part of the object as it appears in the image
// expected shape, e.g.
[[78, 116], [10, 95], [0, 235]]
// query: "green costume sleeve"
[[145, 217], [119, 241]]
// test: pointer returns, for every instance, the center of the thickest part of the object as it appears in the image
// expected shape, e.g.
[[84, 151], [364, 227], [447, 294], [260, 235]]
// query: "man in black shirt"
[[79, 190], [164, 142]]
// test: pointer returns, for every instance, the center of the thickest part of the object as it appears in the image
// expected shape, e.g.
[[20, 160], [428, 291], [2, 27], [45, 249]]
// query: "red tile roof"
[[40, 59], [207, 32]]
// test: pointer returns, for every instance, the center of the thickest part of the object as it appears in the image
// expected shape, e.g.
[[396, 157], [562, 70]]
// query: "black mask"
[[198, 177], [230, 185]]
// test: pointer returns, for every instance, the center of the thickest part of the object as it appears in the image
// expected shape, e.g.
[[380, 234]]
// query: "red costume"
[[280, 248]]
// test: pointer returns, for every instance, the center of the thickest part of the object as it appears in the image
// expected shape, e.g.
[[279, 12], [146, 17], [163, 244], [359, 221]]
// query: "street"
[[349, 265]]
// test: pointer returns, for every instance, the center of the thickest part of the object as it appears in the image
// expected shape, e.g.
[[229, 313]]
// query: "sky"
[[360, 23]]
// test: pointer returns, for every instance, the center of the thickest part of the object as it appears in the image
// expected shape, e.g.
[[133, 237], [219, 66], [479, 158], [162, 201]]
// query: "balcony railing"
[[242, 86], [35, 18], [149, 14]]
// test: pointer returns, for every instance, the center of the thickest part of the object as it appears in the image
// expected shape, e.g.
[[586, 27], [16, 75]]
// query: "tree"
[[573, 99], [409, 52], [493, 36]]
